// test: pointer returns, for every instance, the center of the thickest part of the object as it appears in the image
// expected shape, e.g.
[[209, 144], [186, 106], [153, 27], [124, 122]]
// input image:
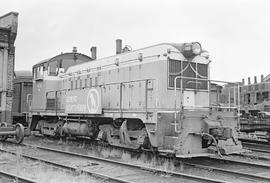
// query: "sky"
[[236, 33]]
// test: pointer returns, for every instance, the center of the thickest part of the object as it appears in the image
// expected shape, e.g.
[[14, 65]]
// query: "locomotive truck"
[[155, 98]]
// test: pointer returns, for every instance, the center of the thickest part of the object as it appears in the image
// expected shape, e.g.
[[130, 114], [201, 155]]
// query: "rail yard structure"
[[8, 32], [253, 95], [254, 104], [155, 98]]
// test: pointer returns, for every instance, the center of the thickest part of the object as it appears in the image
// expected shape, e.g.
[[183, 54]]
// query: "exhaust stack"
[[74, 50], [118, 46], [255, 79], [93, 52], [262, 78]]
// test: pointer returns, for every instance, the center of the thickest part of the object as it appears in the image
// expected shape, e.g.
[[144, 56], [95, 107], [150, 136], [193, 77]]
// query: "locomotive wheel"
[[19, 133], [3, 138]]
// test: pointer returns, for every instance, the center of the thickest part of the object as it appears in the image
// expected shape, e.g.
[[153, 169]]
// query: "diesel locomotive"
[[155, 98]]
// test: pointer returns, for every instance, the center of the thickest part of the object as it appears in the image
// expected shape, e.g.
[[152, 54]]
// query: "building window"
[[80, 83], [76, 84], [71, 85], [96, 81], [85, 82], [248, 98], [265, 96], [90, 83]]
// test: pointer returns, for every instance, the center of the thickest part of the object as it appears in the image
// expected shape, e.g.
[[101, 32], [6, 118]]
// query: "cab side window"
[[53, 68]]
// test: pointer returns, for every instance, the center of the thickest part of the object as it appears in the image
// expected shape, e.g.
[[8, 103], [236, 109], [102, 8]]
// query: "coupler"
[[11, 131]]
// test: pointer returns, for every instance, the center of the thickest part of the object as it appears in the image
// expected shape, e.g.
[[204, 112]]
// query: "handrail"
[[196, 107], [238, 107], [175, 101], [27, 97]]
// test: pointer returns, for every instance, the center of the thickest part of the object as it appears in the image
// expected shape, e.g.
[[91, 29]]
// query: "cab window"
[[38, 72], [53, 68]]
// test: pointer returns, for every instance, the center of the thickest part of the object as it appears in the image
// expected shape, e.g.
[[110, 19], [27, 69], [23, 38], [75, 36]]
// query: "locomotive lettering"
[[76, 103], [93, 101]]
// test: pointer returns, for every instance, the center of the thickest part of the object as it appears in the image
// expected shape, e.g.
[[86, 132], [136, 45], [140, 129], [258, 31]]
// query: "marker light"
[[196, 48], [192, 49]]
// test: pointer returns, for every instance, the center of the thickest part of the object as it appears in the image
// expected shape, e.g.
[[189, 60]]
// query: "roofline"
[[175, 45], [10, 13], [50, 59], [171, 44]]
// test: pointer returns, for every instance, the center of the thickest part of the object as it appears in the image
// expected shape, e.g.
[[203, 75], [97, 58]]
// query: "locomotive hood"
[[182, 51]]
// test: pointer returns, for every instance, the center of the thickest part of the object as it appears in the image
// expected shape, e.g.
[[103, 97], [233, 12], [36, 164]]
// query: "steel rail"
[[172, 173], [253, 156], [257, 147], [70, 168], [16, 177], [254, 141], [178, 174], [231, 172], [259, 150], [221, 170], [258, 165]]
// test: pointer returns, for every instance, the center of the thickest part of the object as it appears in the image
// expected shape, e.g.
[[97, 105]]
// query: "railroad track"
[[222, 174], [255, 171], [15, 178], [258, 147], [136, 173], [256, 141]]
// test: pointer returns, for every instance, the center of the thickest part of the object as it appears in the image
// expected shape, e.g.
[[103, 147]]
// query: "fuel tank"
[[77, 129]]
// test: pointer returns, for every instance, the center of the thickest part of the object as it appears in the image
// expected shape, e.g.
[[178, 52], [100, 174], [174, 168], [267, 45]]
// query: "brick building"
[[256, 92], [8, 32], [254, 95]]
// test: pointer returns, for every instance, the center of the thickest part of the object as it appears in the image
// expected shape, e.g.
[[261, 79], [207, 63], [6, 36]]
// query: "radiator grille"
[[188, 69]]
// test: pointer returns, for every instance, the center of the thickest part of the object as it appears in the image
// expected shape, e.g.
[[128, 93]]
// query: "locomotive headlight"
[[192, 49], [196, 48]]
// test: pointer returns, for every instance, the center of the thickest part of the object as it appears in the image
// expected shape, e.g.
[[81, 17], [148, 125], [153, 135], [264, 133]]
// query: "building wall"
[[255, 93], [250, 94], [8, 32]]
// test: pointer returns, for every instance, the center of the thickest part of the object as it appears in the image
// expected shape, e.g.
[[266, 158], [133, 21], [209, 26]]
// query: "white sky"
[[235, 32]]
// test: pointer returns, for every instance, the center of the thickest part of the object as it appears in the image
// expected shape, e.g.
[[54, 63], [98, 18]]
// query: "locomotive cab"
[[46, 83]]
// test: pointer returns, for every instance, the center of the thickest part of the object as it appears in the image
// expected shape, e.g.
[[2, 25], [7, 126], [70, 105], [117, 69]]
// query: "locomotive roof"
[[22, 76], [159, 49], [61, 55], [23, 73]]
